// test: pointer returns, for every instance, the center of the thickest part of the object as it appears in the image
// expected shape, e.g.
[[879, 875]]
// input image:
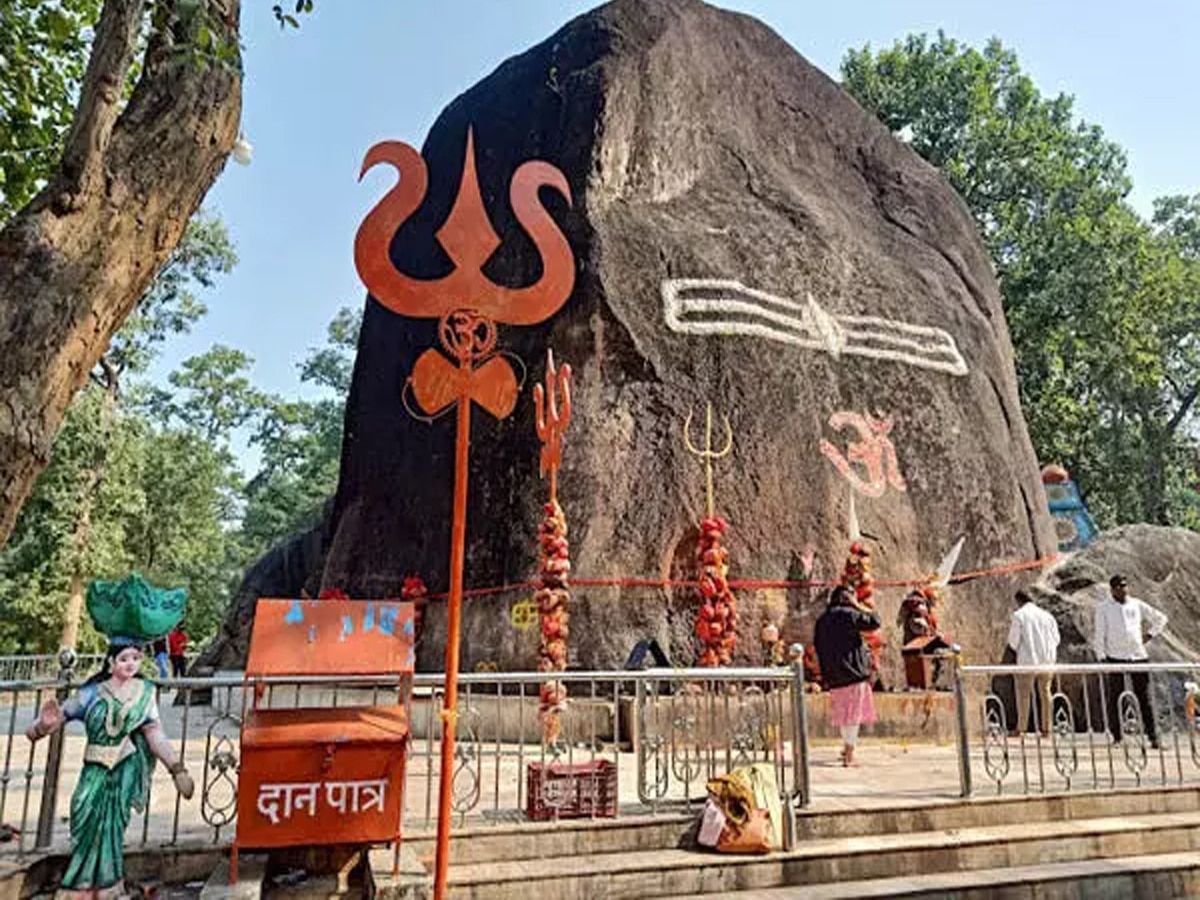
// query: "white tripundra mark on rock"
[[717, 306]]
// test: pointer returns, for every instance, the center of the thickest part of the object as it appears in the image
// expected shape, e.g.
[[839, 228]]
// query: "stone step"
[[1164, 876], [663, 873], [566, 837], [538, 840]]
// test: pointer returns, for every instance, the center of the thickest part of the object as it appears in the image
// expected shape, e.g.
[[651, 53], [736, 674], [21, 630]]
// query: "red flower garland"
[[552, 597], [856, 575], [414, 591], [716, 623]]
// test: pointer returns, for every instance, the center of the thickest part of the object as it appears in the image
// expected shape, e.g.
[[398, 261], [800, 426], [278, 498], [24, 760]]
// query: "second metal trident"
[[708, 454]]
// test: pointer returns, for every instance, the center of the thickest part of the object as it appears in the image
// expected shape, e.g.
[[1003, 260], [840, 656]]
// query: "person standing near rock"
[[1117, 638], [846, 665], [1034, 637], [177, 642]]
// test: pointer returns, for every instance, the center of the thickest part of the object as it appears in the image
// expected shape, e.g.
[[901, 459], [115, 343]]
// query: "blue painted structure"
[[1072, 522]]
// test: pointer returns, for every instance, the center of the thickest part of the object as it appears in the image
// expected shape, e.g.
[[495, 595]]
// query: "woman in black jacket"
[[846, 665]]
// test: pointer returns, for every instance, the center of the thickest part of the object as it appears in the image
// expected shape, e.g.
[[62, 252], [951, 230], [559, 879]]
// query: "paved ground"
[[890, 773]]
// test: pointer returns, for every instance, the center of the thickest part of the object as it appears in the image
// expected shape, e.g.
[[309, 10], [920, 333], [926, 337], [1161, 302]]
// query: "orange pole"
[[458, 537]]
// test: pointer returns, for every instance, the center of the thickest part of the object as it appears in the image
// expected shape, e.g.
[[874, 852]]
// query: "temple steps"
[[1149, 836], [1162, 876]]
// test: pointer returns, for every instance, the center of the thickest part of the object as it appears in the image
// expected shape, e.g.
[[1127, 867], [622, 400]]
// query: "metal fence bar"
[[1144, 707], [674, 728]]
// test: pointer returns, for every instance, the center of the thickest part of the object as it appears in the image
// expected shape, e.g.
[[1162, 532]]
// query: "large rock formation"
[[699, 145], [1163, 568]]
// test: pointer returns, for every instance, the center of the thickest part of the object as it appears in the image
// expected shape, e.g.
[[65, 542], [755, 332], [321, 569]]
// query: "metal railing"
[[664, 732], [33, 667], [1088, 727], [660, 733], [38, 666]]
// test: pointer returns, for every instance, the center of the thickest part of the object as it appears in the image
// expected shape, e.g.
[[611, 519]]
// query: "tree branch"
[[99, 98], [76, 260], [1185, 406]]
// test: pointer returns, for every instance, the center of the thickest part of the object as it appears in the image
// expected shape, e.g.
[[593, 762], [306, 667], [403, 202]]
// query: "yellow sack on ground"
[[745, 790]]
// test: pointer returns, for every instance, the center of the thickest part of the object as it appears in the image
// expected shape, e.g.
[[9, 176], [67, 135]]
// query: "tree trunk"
[[75, 261], [87, 501], [70, 631]]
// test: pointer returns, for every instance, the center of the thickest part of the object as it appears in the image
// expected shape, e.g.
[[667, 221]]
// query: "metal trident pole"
[[467, 305]]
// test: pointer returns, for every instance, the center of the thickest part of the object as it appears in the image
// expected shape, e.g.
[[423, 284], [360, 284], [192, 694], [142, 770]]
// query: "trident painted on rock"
[[467, 306]]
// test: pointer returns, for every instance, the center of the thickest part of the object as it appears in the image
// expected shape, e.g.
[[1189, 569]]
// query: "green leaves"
[[301, 444], [1101, 304], [43, 51], [285, 19]]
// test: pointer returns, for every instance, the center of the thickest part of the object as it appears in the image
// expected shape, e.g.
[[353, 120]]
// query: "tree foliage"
[[43, 51], [1101, 304], [124, 492], [301, 444]]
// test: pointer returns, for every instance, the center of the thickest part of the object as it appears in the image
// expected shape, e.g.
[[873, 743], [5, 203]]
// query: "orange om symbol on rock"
[[873, 451]]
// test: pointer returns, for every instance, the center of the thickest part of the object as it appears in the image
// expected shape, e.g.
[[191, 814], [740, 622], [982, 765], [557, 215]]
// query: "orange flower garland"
[[856, 575], [414, 591], [552, 597], [716, 623]]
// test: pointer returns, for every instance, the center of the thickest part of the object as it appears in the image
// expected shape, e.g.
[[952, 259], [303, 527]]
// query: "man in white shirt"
[[1120, 620], [1034, 637]]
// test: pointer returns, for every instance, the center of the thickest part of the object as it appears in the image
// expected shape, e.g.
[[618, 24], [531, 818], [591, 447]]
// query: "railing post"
[[49, 803], [964, 751], [800, 731]]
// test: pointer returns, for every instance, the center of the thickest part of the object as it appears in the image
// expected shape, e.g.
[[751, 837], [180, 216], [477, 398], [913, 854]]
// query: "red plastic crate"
[[571, 791]]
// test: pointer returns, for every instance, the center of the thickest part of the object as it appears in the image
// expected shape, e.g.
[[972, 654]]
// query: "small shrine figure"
[[917, 617], [124, 733], [772, 645], [923, 637]]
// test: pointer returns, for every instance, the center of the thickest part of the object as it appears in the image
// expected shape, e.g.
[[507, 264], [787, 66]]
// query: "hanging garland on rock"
[[414, 591], [856, 575], [552, 596], [552, 412], [716, 622]]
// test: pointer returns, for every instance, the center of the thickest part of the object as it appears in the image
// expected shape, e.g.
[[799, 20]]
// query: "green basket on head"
[[132, 611]]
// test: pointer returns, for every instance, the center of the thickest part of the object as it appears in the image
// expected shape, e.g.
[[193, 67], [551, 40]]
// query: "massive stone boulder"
[[1163, 568], [745, 235]]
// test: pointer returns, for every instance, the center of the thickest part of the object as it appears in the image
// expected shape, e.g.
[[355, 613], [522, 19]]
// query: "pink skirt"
[[853, 704]]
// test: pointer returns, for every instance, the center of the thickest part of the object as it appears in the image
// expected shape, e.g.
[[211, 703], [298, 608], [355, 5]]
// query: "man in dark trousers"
[[1119, 623]]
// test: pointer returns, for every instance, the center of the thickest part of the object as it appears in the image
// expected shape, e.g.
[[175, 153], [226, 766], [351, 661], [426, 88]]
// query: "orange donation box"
[[324, 775]]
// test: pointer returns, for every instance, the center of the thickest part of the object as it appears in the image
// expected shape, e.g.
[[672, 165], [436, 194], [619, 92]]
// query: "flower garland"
[[414, 591], [716, 623], [856, 575], [552, 597]]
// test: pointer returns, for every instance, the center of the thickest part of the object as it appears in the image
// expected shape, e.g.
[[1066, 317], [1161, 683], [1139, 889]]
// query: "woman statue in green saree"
[[124, 737]]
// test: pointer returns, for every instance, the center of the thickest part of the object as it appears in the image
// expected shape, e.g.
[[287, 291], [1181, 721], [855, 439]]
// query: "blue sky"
[[359, 71]]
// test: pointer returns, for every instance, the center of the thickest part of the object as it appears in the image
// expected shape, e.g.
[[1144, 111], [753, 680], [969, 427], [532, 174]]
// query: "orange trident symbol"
[[550, 420], [467, 305]]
